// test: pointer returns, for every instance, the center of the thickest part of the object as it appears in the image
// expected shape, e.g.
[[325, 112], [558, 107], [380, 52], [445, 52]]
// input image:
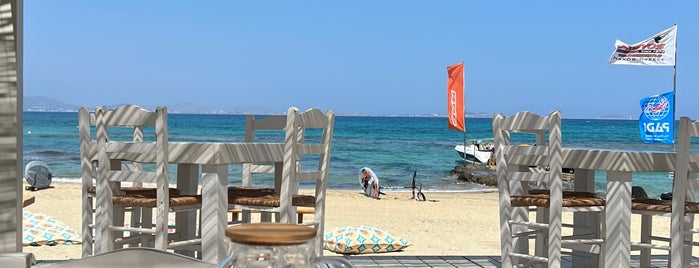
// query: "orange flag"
[[455, 96]]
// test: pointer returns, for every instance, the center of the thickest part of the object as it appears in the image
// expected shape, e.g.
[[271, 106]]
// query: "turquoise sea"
[[393, 147]]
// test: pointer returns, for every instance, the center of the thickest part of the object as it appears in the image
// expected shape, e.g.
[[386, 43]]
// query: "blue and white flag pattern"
[[656, 122]]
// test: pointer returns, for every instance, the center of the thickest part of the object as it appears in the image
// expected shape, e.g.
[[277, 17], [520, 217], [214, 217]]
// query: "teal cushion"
[[362, 239]]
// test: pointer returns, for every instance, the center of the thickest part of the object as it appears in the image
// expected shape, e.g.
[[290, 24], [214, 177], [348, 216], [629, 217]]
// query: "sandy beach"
[[446, 224]]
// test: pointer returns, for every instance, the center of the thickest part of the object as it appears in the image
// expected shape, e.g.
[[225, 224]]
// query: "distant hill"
[[44, 104]]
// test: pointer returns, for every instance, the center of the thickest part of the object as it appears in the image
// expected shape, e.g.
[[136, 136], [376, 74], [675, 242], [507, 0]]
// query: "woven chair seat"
[[249, 191], [135, 200], [570, 199], [272, 200], [664, 206], [135, 190], [565, 193]]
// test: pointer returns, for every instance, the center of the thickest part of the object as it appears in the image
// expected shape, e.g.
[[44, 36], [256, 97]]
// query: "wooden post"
[[11, 130]]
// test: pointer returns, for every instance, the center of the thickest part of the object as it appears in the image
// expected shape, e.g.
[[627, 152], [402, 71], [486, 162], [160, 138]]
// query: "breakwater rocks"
[[475, 173], [485, 175]]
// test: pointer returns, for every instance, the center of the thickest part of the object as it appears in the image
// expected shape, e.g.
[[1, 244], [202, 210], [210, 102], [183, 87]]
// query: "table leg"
[[185, 223], [213, 212], [585, 182], [618, 219]]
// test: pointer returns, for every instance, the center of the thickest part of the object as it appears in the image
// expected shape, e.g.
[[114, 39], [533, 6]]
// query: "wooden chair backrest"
[[268, 123], [540, 162], [137, 118]]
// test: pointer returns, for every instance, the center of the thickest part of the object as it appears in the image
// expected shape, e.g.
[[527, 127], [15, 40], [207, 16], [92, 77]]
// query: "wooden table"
[[619, 165], [214, 159]]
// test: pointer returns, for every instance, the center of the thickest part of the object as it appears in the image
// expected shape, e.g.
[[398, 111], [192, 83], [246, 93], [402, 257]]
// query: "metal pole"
[[463, 76], [674, 91]]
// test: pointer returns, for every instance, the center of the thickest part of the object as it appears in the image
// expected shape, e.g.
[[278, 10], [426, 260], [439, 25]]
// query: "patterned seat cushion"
[[362, 239]]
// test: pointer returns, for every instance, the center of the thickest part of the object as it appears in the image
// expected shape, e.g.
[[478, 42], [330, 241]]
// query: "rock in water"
[[475, 173]]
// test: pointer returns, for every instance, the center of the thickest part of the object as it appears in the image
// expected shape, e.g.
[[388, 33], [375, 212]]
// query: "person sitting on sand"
[[365, 179]]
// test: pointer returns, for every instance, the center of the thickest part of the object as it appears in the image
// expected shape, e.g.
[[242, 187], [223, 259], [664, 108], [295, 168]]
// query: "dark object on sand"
[[420, 195], [413, 188]]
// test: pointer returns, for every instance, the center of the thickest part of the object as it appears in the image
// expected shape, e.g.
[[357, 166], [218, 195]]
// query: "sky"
[[366, 57]]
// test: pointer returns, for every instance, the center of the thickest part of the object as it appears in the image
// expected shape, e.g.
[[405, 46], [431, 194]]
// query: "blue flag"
[[657, 118]]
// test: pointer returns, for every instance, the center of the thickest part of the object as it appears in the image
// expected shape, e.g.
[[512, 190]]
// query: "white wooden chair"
[[518, 166], [679, 242], [253, 125], [271, 123], [307, 147], [86, 126], [154, 158]]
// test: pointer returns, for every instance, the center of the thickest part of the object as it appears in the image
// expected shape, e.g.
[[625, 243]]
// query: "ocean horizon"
[[393, 146], [41, 104]]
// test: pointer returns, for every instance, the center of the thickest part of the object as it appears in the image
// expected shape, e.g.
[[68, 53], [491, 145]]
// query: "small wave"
[[481, 190], [66, 180], [27, 158], [50, 153]]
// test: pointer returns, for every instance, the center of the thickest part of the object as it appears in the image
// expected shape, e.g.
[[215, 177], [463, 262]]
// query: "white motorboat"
[[475, 152]]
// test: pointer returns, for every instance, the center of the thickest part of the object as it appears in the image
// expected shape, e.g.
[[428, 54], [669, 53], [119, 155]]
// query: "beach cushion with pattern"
[[40, 229], [362, 239]]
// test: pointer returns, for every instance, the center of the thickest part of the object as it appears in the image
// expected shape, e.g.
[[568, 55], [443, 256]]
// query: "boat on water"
[[476, 152]]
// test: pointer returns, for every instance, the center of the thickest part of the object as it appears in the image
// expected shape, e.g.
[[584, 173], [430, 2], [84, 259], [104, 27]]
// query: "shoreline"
[[477, 188], [448, 223]]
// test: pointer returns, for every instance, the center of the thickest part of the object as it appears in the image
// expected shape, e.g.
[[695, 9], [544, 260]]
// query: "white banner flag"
[[658, 50]]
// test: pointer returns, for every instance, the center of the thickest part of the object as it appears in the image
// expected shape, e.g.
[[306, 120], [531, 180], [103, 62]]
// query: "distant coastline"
[[617, 117], [46, 104]]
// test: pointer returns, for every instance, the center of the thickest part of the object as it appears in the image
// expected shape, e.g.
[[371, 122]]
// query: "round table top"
[[270, 233]]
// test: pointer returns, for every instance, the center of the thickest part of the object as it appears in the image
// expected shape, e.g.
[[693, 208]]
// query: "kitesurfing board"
[[369, 182]]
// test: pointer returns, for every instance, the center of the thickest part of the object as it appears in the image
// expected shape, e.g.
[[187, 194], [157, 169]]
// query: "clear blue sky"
[[357, 57]]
